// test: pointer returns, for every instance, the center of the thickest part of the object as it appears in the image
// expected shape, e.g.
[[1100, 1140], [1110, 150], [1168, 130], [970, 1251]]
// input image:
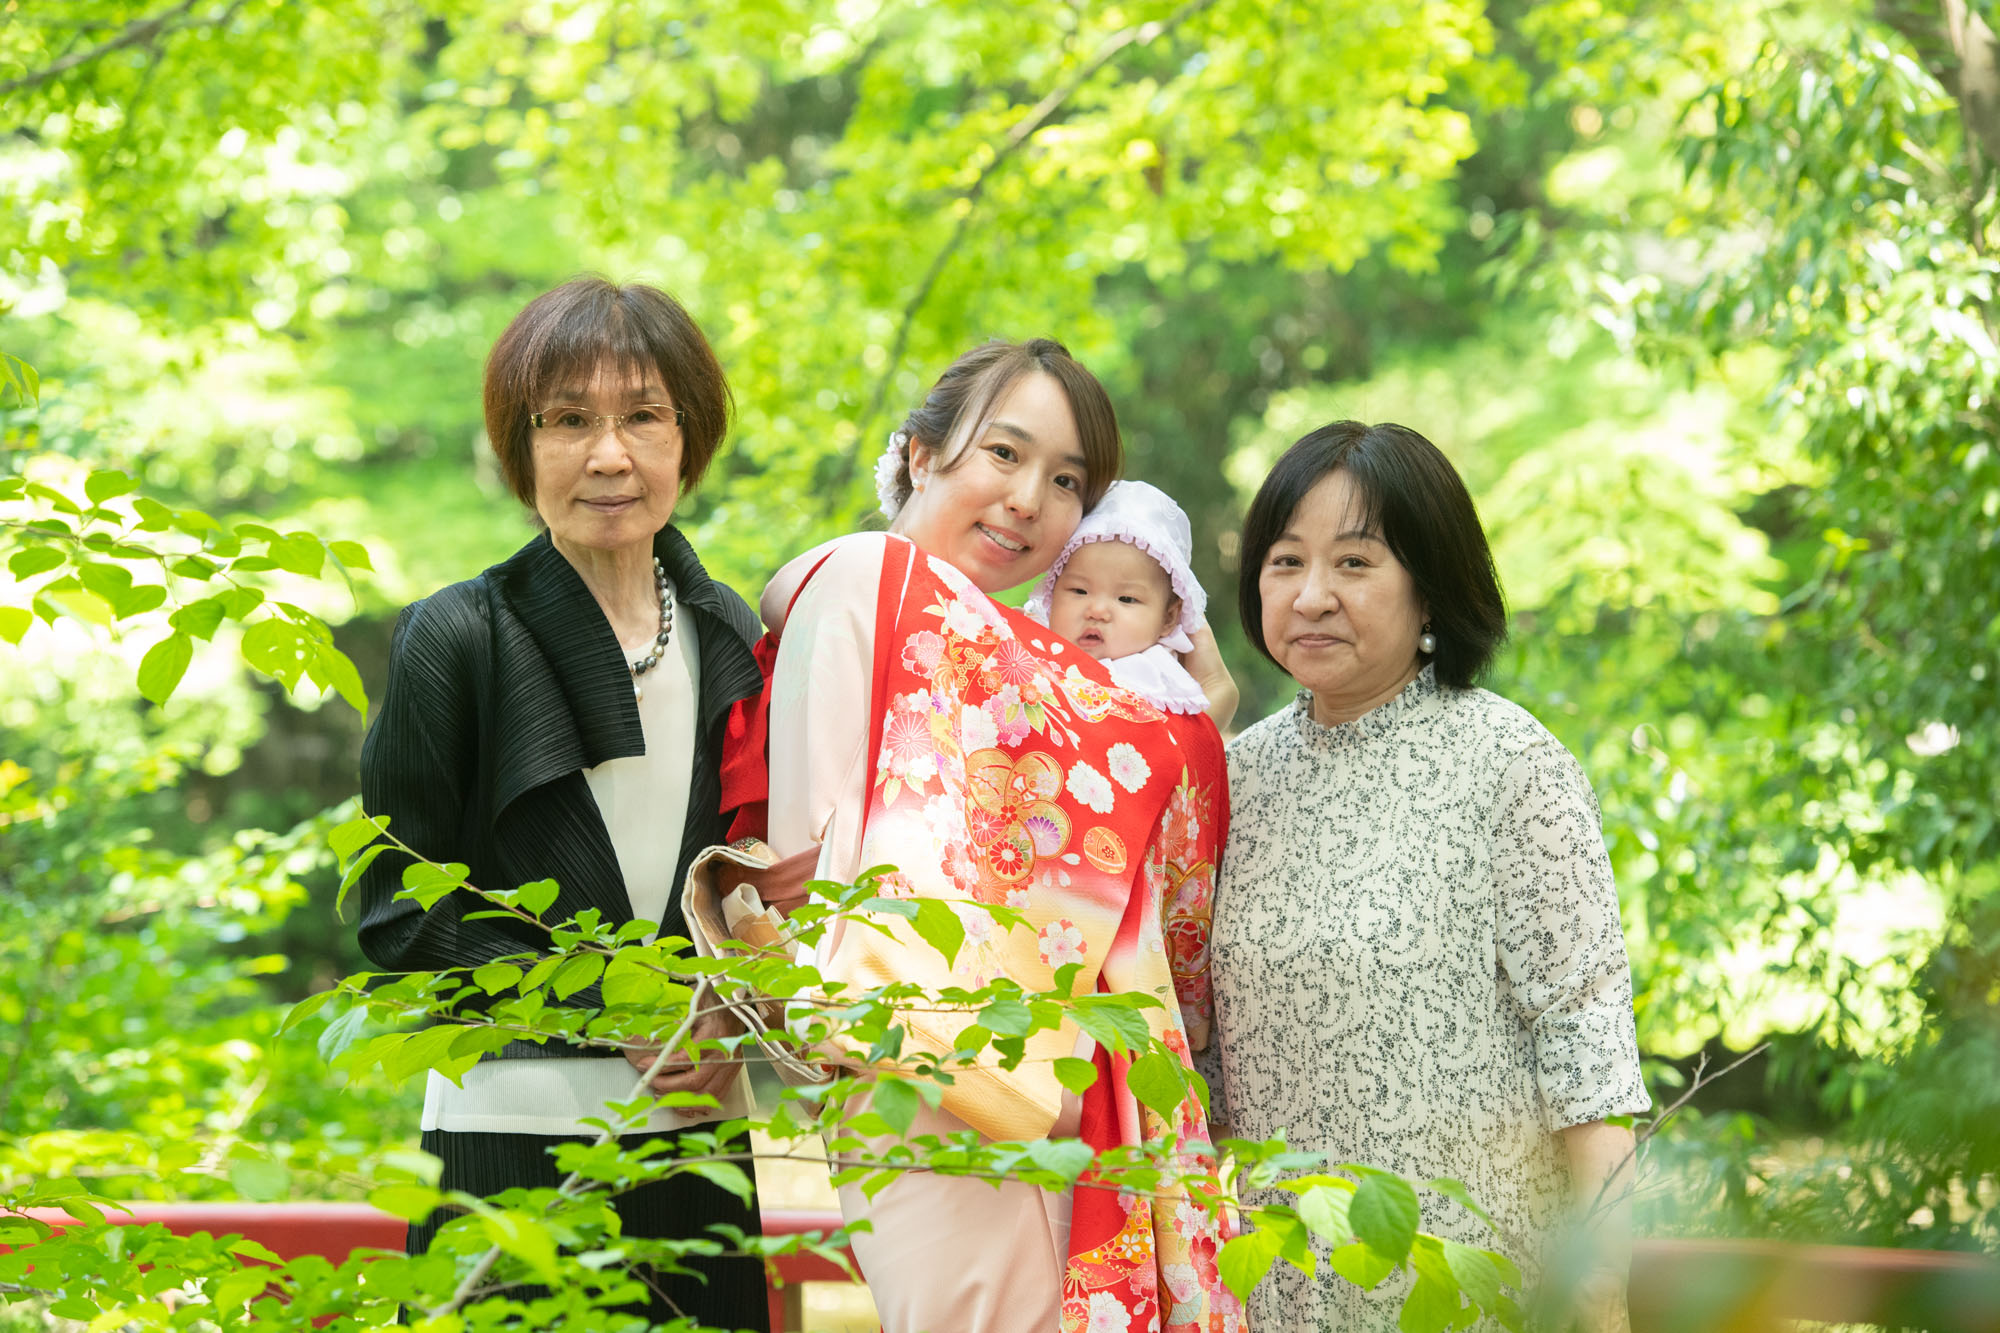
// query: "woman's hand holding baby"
[[1205, 664]]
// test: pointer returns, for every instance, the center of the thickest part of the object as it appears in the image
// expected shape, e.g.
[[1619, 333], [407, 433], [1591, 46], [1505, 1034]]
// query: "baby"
[[1124, 591]]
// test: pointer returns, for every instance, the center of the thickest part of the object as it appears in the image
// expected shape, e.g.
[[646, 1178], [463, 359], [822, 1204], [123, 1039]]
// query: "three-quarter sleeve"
[[821, 693], [417, 765], [1562, 955]]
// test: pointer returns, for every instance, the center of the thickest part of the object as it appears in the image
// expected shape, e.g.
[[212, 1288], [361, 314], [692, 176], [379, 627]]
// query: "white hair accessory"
[[887, 469], [1148, 518]]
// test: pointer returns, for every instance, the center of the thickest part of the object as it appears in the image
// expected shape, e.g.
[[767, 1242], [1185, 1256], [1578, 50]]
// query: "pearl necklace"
[[652, 657]]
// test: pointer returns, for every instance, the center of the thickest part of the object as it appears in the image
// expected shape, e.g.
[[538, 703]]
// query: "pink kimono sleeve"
[[821, 693]]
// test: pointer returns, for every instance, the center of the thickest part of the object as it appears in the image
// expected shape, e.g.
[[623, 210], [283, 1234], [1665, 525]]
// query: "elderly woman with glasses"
[[559, 717]]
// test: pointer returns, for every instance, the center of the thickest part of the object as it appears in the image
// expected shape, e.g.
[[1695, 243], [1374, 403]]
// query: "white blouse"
[[1418, 965], [643, 801]]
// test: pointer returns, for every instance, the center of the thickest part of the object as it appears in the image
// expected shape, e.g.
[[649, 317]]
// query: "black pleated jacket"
[[502, 690]]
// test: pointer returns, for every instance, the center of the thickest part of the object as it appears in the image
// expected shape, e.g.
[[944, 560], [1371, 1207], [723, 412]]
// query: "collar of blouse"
[[1418, 699]]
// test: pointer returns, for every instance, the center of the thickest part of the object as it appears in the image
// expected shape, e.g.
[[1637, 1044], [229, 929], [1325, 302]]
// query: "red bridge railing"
[[1678, 1286]]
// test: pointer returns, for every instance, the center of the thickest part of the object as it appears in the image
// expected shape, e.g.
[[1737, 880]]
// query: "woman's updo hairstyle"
[[962, 403]]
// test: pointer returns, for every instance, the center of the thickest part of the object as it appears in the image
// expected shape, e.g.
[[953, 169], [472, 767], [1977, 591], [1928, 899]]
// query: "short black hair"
[[1414, 499]]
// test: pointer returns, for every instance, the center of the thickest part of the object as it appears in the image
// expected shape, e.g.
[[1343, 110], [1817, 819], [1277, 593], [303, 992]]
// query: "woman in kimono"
[[918, 723]]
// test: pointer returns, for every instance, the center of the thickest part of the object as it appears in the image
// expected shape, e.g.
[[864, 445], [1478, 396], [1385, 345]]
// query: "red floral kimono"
[[1007, 768]]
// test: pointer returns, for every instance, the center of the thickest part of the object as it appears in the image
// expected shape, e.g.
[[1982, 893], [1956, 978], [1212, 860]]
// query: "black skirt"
[[682, 1206]]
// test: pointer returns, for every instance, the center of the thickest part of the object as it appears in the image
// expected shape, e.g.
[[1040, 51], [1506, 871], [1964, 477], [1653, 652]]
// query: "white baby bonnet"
[[1147, 517], [1132, 511]]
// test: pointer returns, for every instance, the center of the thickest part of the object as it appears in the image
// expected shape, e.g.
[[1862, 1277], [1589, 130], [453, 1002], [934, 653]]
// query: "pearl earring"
[[1427, 642]]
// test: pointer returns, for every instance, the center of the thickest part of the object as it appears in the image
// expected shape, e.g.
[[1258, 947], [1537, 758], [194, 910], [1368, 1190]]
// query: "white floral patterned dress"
[[1417, 964]]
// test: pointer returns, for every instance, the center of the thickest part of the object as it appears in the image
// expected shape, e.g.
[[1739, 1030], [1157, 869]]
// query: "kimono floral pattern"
[[1010, 771]]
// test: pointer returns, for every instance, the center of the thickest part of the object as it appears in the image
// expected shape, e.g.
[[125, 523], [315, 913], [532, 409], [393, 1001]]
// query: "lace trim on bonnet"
[[1147, 517]]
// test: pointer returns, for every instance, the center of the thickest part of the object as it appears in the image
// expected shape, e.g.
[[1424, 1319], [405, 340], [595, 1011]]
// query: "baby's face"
[[1113, 600]]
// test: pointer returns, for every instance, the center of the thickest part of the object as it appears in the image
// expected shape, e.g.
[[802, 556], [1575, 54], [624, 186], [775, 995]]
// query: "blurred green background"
[[1698, 296]]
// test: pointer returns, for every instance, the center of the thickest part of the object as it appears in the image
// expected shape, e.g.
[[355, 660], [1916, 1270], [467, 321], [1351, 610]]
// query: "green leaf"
[[111, 582], [629, 980], [352, 554], [298, 553], [1155, 1079], [728, 1175], [251, 1249], [259, 1178], [1359, 1264], [1323, 1209], [354, 871], [195, 567], [161, 669], [338, 670], [1384, 1213], [32, 560], [576, 973], [1007, 1016], [1245, 1259], [277, 648], [1453, 1189], [538, 975], [896, 1101], [55, 497], [1068, 1158], [138, 600], [201, 618], [412, 1203], [1074, 1074], [153, 516], [14, 622], [1475, 1274], [1117, 1027], [305, 1009], [425, 882], [525, 1239], [537, 896], [24, 380], [107, 485], [495, 977], [1431, 1307], [342, 1033], [937, 923], [232, 1290], [348, 838]]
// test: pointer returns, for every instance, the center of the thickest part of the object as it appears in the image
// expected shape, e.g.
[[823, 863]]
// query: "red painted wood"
[[1678, 1286]]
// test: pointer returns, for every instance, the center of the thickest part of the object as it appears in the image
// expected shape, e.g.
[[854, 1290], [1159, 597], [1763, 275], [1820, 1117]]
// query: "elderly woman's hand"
[[679, 1074], [1210, 672]]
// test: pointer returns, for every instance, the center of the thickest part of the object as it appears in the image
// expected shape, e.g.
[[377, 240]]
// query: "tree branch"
[[136, 33], [1139, 34], [469, 1287]]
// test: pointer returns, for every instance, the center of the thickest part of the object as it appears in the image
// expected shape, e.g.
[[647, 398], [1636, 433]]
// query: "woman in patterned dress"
[[918, 723], [1416, 955]]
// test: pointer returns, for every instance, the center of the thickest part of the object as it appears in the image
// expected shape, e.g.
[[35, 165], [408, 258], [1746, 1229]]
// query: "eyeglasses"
[[574, 427]]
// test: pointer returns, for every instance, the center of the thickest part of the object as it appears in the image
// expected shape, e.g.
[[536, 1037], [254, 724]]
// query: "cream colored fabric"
[[946, 1255], [955, 1255], [643, 800]]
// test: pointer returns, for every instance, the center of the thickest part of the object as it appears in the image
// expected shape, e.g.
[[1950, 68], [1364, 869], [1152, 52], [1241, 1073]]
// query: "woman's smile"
[[1010, 542]]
